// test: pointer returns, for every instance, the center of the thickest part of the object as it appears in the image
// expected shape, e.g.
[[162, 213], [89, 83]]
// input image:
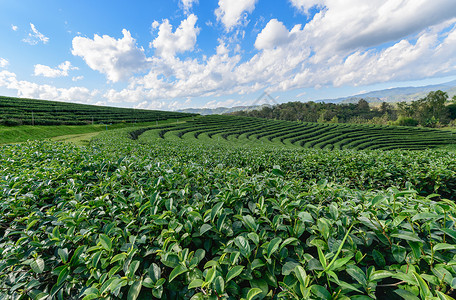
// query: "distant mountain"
[[392, 95], [221, 110], [399, 94]]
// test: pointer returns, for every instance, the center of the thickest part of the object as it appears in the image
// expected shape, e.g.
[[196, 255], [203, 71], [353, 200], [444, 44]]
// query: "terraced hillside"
[[306, 135], [18, 111]]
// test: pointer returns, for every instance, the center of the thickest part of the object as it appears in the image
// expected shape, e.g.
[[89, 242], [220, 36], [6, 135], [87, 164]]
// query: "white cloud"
[[305, 5], [233, 12], [14, 27], [34, 37], [273, 35], [167, 43], [60, 71], [3, 63], [187, 4], [117, 59], [353, 24], [77, 78], [27, 89], [286, 64]]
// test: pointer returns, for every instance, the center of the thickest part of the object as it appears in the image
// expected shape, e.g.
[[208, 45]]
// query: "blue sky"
[[195, 53]]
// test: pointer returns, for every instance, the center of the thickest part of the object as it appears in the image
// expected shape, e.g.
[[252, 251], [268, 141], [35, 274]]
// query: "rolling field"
[[19, 111], [231, 208], [306, 135]]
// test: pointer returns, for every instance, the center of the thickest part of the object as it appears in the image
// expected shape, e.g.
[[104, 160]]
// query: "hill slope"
[[306, 134], [19, 111]]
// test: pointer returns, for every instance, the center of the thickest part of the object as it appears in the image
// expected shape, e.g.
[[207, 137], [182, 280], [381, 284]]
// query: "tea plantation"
[[231, 208], [20, 111]]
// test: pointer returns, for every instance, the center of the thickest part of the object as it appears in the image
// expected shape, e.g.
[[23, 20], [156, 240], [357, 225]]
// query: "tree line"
[[434, 110]]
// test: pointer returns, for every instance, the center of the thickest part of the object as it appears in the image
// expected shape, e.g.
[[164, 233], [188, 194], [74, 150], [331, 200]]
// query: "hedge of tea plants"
[[307, 134], [176, 219]]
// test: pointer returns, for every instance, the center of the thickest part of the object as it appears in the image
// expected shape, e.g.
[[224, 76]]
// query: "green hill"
[[19, 111], [230, 129]]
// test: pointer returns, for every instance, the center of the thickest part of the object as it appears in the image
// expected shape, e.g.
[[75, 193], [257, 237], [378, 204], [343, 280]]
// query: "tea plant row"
[[18, 111], [309, 135], [176, 219]]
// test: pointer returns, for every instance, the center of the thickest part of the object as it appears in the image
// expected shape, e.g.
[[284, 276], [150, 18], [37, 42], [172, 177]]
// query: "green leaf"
[[288, 241], [424, 288], [63, 275], [250, 222], [273, 246], [424, 215], [210, 275], [177, 271], [407, 236], [301, 275], [341, 262], [134, 265], [379, 275], [322, 258], [215, 210], [96, 258], [77, 253], [278, 172], [444, 246], [416, 249], [406, 294], [289, 267], [154, 272], [399, 253], [243, 245], [195, 283], [37, 265], [252, 293], [63, 253], [106, 242], [134, 290], [357, 274], [235, 271], [42, 296], [120, 256], [378, 258], [320, 292], [219, 285], [450, 232], [443, 296], [205, 228]]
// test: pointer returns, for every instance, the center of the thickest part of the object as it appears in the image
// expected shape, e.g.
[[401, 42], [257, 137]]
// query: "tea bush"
[[142, 219]]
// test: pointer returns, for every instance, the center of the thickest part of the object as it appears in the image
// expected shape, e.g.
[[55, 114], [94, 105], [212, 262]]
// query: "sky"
[[177, 54]]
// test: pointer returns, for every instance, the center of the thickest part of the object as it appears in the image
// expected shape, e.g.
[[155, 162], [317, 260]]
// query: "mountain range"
[[392, 95]]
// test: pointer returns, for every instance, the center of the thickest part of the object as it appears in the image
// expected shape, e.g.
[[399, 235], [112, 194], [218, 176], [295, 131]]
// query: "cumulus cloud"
[[14, 27], [60, 71], [273, 35], [118, 59], [305, 5], [330, 50], [168, 43], [34, 37], [355, 24], [3, 63], [27, 89], [187, 4], [232, 12]]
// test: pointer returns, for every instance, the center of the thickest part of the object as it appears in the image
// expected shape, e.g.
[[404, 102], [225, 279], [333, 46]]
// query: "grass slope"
[[17, 134], [19, 111]]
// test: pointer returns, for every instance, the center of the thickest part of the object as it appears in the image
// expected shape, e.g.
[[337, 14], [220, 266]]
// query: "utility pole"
[[33, 120]]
